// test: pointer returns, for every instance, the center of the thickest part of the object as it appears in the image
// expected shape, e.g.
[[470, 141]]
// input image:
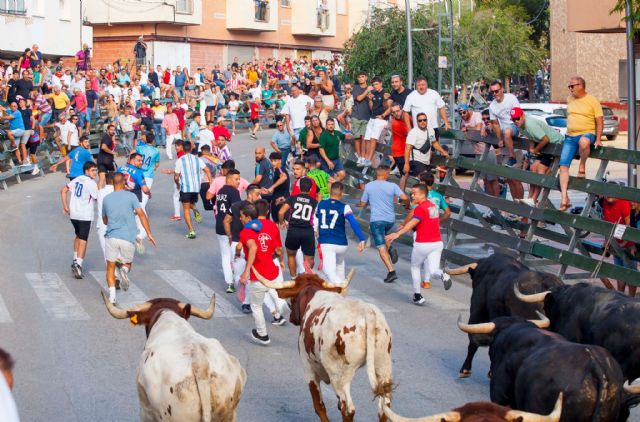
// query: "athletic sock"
[[112, 293], [75, 256], [79, 261]]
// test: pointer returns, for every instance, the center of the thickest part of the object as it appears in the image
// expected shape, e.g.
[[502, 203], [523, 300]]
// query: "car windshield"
[[561, 112], [557, 121], [607, 111]]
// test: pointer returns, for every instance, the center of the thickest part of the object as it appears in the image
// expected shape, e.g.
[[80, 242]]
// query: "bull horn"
[[113, 309], [482, 328], [542, 322], [270, 284], [554, 416], [532, 298], [461, 270], [347, 281], [202, 313], [447, 416], [631, 389]]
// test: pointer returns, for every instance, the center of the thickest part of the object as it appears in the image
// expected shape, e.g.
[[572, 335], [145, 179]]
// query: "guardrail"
[[564, 244]]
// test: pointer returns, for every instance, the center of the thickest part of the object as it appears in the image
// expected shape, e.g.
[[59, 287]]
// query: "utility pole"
[[631, 106], [409, 44]]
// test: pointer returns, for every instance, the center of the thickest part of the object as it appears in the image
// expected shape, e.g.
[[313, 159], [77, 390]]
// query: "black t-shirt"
[[378, 103], [92, 97], [225, 198], [236, 224], [263, 168], [23, 87], [104, 157], [26, 118], [283, 189], [302, 209], [400, 98], [13, 90]]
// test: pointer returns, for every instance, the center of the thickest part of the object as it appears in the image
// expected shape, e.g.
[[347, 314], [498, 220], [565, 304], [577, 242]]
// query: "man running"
[[78, 157], [225, 198], [135, 182], [107, 154], [428, 243], [331, 215], [80, 210], [188, 177], [300, 234], [100, 226], [150, 162], [118, 214]]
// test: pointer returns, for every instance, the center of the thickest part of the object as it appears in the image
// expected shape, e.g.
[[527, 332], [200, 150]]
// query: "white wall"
[[170, 54], [136, 11], [55, 30]]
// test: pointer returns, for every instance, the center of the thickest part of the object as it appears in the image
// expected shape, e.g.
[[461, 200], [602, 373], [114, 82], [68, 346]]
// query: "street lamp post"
[[631, 106], [409, 44]]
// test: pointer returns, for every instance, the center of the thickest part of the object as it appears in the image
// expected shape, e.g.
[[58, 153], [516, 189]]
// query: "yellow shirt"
[[582, 114], [60, 100], [252, 75]]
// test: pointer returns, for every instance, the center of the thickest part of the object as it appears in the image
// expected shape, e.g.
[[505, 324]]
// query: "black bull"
[[531, 366], [589, 314], [493, 280]]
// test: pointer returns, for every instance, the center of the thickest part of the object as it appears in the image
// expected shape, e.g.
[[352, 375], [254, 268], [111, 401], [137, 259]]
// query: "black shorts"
[[301, 239], [545, 159], [208, 204], [106, 167], [209, 109], [255, 121], [189, 197], [417, 167], [82, 228], [399, 163], [33, 147]]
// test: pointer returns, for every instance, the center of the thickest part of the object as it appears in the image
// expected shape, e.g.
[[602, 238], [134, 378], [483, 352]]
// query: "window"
[[323, 15], [285, 3], [184, 6], [341, 7], [12, 7], [262, 11]]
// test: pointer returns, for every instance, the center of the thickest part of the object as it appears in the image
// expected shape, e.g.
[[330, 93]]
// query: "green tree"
[[620, 7], [533, 12]]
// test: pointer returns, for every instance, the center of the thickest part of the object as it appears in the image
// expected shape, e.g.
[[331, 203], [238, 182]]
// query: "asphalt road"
[[74, 362]]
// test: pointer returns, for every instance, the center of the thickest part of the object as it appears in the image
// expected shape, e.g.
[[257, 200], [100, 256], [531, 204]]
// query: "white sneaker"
[[528, 201], [36, 171], [233, 134]]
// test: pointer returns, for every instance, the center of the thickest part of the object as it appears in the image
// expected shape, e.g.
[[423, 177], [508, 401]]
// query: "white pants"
[[102, 230], [142, 234], [170, 139], [299, 263], [256, 296], [177, 206], [429, 251], [333, 262], [225, 256]]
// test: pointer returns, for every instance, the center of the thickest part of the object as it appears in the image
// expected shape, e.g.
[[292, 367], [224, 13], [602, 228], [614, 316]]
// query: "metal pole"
[[452, 95], [631, 107], [409, 44]]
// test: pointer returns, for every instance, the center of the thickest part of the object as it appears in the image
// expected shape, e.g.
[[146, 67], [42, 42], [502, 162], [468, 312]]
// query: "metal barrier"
[[565, 246]]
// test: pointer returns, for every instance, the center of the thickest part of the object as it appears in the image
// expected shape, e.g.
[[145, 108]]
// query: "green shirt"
[[302, 137], [437, 199], [535, 130], [331, 143], [322, 181]]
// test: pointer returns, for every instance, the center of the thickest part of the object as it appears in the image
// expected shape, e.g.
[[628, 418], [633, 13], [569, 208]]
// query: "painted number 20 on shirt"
[[302, 211]]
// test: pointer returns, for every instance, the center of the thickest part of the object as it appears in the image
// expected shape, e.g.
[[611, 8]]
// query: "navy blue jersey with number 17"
[[331, 216]]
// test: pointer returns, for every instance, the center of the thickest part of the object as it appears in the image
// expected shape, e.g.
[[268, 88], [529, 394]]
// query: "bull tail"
[[203, 385], [381, 383], [602, 384]]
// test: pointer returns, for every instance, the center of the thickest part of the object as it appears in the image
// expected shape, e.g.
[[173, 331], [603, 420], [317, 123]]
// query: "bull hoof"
[[465, 373]]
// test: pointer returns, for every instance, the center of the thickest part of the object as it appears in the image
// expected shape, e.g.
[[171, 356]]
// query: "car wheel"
[[611, 137]]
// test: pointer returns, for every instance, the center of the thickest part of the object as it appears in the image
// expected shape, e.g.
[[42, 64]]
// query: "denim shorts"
[[378, 231], [514, 129], [570, 147], [337, 167]]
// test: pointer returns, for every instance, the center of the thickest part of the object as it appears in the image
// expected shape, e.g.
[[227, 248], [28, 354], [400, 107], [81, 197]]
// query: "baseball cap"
[[220, 119], [516, 113], [463, 107]]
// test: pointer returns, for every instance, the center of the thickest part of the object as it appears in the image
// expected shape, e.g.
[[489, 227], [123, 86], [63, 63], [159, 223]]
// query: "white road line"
[[5, 317], [198, 293], [132, 297], [357, 294], [442, 301], [56, 297]]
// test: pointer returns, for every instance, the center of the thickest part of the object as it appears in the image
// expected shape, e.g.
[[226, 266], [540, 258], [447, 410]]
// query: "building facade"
[[55, 25], [200, 33]]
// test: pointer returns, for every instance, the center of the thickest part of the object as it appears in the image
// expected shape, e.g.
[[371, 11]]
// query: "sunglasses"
[[461, 112], [515, 120], [486, 119], [572, 85], [422, 120], [495, 91]]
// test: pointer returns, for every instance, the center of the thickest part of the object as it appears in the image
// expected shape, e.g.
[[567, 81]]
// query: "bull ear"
[[186, 311]]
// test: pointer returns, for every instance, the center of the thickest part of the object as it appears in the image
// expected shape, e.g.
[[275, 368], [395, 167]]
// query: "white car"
[[556, 121], [548, 108]]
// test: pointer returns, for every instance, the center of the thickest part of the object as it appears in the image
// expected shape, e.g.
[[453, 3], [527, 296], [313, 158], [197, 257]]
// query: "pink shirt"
[[80, 102], [220, 181], [171, 123]]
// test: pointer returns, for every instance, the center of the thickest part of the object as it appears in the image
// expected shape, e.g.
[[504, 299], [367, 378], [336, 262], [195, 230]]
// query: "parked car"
[[549, 108], [611, 124], [556, 121]]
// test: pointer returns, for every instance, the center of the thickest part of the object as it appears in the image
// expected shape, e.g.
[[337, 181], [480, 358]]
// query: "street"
[[74, 362]]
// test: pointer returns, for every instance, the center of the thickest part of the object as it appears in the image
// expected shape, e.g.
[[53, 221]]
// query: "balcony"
[[314, 18], [12, 7], [593, 16], [180, 12], [252, 15]]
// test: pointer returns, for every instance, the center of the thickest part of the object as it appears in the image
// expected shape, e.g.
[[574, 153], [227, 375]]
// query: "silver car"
[[611, 124]]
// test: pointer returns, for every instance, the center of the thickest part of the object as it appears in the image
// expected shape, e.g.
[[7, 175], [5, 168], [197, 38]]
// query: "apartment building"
[[200, 33]]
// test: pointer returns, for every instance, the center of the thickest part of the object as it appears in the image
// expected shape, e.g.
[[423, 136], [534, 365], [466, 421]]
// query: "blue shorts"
[[379, 229], [337, 166], [514, 129], [570, 147], [233, 116]]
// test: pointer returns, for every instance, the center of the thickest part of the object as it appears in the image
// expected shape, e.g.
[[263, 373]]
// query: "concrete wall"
[[595, 57], [125, 11]]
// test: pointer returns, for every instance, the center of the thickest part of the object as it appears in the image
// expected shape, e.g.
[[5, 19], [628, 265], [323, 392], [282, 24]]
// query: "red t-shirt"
[[221, 130], [428, 229], [166, 77], [399, 137], [267, 240], [179, 111], [296, 188], [255, 110], [617, 213]]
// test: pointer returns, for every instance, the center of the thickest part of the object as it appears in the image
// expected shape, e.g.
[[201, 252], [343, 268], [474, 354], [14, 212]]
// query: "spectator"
[[427, 101], [399, 93], [330, 151], [263, 173], [420, 141], [295, 110], [399, 134], [377, 122], [126, 121], [140, 51], [360, 114], [618, 211], [282, 143], [221, 130], [83, 58], [255, 117], [171, 125], [584, 128], [473, 120], [16, 125]]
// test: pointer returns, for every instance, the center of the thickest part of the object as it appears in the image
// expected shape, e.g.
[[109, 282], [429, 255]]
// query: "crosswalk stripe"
[[5, 317], [132, 297], [356, 294], [443, 302], [56, 298], [198, 293]]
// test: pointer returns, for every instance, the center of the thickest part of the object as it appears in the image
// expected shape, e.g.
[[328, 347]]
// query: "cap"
[[62, 116], [516, 112], [462, 107], [19, 97], [220, 119]]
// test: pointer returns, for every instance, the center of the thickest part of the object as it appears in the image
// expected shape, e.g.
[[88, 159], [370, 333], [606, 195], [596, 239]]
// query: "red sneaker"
[[175, 218]]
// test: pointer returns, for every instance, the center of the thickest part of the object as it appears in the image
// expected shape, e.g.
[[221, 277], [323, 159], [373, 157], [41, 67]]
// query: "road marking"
[[198, 293], [5, 317], [357, 294], [443, 302], [56, 297], [132, 297]]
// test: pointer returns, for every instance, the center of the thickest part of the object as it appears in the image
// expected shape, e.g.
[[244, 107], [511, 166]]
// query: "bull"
[[182, 376], [531, 366], [493, 279], [589, 314], [483, 412], [337, 337]]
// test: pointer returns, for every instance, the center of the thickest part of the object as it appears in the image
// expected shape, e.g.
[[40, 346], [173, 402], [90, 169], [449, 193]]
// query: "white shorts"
[[119, 249], [374, 129]]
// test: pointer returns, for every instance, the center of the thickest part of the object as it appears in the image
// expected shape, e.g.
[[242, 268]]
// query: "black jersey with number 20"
[[302, 208]]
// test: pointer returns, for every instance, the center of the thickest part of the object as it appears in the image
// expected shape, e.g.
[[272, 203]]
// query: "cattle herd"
[[558, 352]]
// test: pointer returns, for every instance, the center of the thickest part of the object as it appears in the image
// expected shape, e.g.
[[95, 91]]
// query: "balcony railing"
[[323, 18], [262, 11]]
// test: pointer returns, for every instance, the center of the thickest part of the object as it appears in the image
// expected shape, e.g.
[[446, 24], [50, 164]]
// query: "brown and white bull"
[[182, 375], [337, 337]]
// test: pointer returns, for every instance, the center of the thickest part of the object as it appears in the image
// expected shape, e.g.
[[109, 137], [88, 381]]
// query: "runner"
[[78, 157], [320, 177], [225, 198], [331, 228], [188, 177], [428, 243], [118, 211], [300, 234], [279, 191], [100, 226], [220, 181], [80, 210], [299, 173], [150, 162], [135, 182], [107, 154]]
